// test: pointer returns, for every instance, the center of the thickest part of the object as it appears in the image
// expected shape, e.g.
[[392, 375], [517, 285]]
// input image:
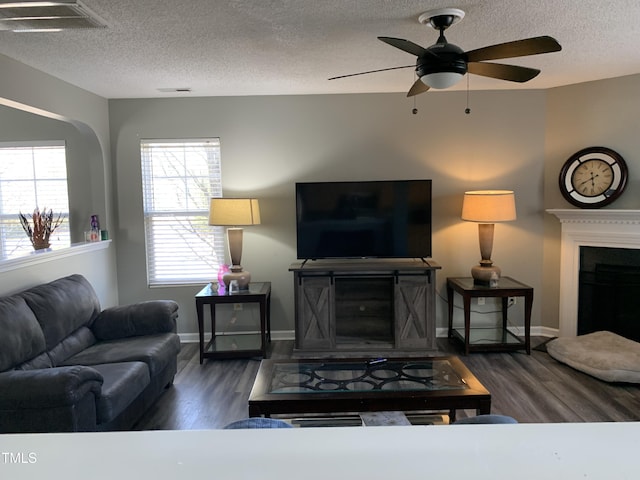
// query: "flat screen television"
[[368, 219]]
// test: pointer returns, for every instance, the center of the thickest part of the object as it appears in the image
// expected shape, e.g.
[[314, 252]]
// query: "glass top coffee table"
[[335, 386]]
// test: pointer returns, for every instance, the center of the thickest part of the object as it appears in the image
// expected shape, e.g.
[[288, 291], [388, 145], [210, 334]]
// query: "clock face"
[[593, 177]]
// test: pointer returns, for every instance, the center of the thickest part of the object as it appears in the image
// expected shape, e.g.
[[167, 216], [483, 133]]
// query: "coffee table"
[[334, 386]]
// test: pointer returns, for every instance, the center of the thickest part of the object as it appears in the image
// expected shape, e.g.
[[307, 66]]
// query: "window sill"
[[50, 255]]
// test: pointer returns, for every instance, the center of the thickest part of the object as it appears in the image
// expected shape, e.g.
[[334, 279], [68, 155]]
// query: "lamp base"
[[485, 275], [239, 275]]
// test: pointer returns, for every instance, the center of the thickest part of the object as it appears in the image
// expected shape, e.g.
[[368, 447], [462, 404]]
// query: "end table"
[[486, 339], [235, 345]]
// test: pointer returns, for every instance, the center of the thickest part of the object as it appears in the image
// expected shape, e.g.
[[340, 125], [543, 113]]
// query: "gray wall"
[[269, 143], [27, 89], [604, 113]]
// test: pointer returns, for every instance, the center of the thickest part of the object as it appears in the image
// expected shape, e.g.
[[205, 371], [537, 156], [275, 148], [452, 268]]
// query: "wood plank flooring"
[[532, 389]]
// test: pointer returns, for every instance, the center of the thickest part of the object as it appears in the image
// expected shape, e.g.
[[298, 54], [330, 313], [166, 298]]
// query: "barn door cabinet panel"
[[314, 312]]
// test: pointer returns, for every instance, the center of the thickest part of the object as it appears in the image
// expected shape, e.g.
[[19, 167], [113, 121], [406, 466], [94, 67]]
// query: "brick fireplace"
[[588, 228]]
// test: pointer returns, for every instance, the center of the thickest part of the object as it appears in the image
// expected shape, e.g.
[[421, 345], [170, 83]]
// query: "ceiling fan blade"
[[518, 48], [404, 45], [417, 88], [512, 73], [370, 71]]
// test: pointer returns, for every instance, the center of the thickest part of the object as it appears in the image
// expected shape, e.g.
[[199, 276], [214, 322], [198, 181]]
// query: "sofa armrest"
[[47, 388], [144, 318]]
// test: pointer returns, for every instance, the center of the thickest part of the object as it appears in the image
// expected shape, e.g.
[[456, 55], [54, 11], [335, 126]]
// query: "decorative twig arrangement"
[[43, 226]]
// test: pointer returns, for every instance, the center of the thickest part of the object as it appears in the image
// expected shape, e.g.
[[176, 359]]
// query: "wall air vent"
[[47, 16]]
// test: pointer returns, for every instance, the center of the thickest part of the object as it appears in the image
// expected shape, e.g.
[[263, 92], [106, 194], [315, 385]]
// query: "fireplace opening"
[[609, 291], [364, 311]]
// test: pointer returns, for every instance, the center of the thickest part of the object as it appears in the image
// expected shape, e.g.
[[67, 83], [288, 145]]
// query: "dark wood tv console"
[[365, 305]]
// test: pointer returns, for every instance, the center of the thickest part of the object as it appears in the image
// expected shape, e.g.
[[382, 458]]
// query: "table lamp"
[[487, 207], [235, 212]]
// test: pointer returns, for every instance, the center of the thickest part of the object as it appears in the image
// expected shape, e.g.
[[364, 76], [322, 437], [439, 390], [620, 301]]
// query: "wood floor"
[[532, 389]]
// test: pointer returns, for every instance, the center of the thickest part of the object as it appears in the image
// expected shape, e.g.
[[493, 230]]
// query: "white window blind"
[[32, 175], [178, 179]]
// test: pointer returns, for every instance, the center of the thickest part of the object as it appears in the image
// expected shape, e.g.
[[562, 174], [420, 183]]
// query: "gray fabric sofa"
[[66, 365]]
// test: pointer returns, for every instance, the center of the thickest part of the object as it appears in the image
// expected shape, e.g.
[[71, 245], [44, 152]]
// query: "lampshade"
[[234, 211], [489, 206], [441, 79]]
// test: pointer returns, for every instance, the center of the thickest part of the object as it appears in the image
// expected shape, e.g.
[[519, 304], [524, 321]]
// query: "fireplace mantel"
[[572, 215], [594, 228]]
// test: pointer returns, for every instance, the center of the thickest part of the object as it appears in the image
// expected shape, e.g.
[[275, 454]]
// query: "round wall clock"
[[593, 177]]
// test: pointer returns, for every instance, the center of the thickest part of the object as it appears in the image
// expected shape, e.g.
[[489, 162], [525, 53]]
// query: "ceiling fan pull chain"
[[467, 110], [415, 109]]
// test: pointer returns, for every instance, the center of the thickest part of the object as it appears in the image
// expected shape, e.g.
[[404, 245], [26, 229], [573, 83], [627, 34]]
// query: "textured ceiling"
[[270, 47]]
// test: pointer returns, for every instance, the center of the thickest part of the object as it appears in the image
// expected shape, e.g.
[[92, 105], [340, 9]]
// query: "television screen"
[[374, 219]]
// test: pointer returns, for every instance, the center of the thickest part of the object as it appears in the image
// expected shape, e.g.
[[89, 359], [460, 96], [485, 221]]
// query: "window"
[[179, 177], [32, 175]]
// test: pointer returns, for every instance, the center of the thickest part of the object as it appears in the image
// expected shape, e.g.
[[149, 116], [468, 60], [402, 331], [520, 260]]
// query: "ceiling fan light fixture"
[[441, 80], [441, 65]]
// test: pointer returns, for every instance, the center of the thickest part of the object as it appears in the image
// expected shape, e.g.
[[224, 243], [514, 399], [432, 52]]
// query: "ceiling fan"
[[443, 64]]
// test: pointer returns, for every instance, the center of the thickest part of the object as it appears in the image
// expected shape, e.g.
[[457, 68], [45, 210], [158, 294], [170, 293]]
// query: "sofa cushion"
[[75, 343], [143, 318], [157, 351], [62, 306], [21, 337], [123, 382]]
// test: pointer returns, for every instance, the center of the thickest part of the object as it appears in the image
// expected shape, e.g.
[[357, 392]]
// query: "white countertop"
[[523, 451]]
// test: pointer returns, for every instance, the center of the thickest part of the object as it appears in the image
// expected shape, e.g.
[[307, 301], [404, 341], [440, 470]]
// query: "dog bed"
[[604, 355]]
